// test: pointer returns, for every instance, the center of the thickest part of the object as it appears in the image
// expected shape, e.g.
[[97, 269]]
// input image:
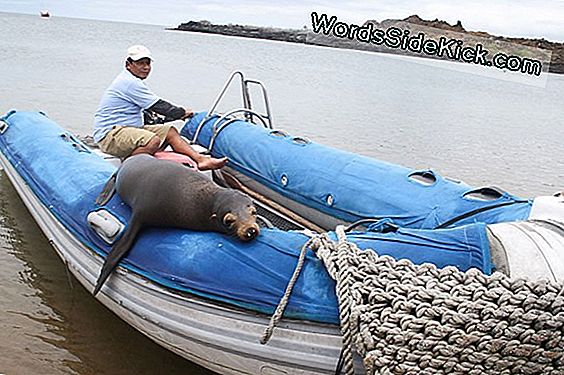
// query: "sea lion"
[[166, 194]]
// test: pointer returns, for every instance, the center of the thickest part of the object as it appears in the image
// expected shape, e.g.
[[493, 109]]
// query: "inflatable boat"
[[207, 296]]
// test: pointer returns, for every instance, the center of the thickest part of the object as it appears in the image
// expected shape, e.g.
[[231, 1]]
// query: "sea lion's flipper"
[[119, 250], [108, 191]]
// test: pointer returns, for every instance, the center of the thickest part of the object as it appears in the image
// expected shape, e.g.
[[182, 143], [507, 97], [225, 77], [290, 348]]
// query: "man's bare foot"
[[207, 163]]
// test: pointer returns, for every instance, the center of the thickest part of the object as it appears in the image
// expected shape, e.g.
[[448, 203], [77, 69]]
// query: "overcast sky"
[[536, 18]]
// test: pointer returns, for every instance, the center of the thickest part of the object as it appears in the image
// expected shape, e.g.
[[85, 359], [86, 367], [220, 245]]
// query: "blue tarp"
[[359, 187], [67, 177]]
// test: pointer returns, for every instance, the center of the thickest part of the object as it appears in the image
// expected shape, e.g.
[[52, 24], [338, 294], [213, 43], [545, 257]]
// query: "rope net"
[[416, 319]]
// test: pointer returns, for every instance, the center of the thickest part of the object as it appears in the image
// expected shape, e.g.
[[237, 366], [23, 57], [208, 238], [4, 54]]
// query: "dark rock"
[[295, 36]]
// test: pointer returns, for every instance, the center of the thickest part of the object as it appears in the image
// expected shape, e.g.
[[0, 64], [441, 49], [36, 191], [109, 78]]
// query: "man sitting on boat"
[[118, 122]]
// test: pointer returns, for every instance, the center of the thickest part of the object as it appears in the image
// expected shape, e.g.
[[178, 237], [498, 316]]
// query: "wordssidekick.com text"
[[398, 38]]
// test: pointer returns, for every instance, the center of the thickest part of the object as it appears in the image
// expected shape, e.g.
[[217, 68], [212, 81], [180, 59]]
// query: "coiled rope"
[[416, 319]]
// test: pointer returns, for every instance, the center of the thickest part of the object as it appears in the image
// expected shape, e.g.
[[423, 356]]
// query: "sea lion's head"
[[236, 214]]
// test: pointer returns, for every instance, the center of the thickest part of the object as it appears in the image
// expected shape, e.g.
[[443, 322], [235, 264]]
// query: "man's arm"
[[170, 111]]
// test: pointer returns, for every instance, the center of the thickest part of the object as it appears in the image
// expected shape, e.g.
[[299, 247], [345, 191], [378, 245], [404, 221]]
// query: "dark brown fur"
[[166, 194]]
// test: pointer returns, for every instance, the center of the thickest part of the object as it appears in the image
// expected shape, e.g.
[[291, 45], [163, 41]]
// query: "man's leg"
[[125, 141], [182, 147], [150, 148]]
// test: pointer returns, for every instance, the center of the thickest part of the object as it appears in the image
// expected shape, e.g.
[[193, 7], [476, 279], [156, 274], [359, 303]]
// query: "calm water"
[[481, 130]]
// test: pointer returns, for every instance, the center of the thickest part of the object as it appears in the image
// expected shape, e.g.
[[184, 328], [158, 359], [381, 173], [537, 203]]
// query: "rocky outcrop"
[[437, 27], [416, 20], [557, 57], [294, 36]]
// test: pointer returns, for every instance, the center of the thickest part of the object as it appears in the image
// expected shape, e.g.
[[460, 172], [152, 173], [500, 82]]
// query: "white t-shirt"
[[122, 104]]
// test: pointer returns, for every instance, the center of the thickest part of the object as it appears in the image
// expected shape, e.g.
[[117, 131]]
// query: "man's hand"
[[187, 114]]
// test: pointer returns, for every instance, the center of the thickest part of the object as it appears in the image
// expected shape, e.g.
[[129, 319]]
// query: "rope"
[[279, 312], [416, 319]]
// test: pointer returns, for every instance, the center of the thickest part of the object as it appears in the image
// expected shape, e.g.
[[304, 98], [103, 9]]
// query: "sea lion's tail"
[[119, 250], [108, 191]]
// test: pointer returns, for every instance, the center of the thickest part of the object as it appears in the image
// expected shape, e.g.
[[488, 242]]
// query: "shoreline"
[[437, 27]]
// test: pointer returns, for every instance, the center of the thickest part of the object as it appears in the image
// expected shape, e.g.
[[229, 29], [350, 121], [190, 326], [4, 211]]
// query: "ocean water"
[[479, 129]]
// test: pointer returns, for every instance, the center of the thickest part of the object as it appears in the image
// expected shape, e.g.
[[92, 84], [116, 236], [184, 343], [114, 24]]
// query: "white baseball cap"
[[138, 52]]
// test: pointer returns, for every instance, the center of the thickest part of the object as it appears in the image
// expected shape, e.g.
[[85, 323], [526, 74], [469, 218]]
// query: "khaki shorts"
[[121, 141]]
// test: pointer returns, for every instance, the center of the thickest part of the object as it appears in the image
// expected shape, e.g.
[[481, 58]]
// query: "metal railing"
[[249, 114]]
